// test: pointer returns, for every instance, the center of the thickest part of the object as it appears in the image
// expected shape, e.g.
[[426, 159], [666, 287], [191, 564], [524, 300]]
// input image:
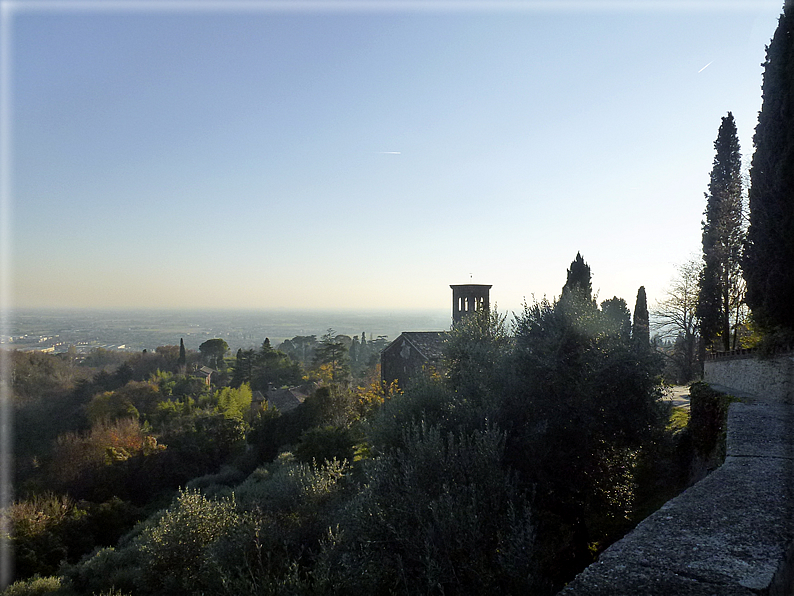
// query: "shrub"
[[325, 443], [49, 530], [34, 586], [430, 401], [285, 486], [282, 511], [107, 569], [440, 516], [175, 551], [227, 476], [709, 422]]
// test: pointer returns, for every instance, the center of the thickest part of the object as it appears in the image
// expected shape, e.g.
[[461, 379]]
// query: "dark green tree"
[[617, 317], [475, 350], [332, 353], [242, 367], [182, 362], [720, 284], [640, 330], [269, 366], [584, 401], [354, 349], [300, 348], [578, 279], [769, 252], [213, 351]]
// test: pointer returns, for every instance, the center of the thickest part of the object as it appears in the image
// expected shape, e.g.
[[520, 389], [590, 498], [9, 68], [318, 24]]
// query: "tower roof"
[[472, 286]]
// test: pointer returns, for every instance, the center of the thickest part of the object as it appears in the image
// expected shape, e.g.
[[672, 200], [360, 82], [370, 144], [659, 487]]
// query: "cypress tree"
[[723, 237], [578, 279], [641, 329], [769, 252], [182, 354]]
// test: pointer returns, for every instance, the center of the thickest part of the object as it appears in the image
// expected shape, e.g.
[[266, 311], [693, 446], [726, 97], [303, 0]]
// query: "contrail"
[[705, 67], [390, 152]]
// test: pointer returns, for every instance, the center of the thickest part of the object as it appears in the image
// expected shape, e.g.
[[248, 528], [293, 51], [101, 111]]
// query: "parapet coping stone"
[[729, 534]]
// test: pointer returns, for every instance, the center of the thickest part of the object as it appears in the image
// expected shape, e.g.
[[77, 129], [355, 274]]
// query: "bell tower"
[[469, 298]]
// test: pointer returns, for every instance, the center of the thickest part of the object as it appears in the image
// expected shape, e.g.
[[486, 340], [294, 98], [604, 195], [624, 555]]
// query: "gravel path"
[[678, 394]]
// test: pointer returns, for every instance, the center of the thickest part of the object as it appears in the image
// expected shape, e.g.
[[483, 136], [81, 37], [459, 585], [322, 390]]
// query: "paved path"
[[678, 395]]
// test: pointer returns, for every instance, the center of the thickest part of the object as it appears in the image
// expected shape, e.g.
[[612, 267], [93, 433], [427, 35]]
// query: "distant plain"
[[136, 330]]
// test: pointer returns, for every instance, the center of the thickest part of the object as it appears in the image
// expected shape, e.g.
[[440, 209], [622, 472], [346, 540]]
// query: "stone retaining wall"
[[742, 370], [729, 534]]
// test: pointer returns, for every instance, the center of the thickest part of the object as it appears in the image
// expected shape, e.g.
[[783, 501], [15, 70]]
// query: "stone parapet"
[[729, 534], [773, 377]]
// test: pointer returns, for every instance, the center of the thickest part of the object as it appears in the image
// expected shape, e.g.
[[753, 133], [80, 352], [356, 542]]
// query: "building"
[[416, 352], [409, 354], [284, 400], [205, 374], [469, 298]]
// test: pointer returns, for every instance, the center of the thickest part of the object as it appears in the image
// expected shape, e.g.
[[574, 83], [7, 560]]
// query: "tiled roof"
[[285, 399], [428, 343]]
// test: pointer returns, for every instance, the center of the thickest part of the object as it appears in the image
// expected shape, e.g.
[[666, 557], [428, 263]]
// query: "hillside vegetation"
[[534, 446]]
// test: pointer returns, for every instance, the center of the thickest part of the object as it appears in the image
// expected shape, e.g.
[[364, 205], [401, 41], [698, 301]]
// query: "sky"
[[362, 155]]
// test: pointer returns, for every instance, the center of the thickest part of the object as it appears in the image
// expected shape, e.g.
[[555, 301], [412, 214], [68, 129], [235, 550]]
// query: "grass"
[[679, 418]]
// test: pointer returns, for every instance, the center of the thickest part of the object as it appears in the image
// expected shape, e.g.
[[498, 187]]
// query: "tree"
[[676, 317], [578, 278], [617, 316], [769, 252], [213, 351], [641, 330], [182, 362], [585, 401], [332, 355], [723, 238], [354, 349], [234, 402], [243, 366], [475, 350], [300, 348], [269, 366]]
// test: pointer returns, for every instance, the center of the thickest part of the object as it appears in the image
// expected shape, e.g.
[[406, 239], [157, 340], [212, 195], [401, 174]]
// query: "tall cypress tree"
[[723, 237], [769, 253], [578, 278], [182, 353], [641, 329]]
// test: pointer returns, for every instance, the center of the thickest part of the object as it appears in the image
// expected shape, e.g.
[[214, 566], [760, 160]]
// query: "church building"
[[415, 352]]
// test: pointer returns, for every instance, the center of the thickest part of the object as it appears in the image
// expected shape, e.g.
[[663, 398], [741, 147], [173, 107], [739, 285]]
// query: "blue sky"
[[363, 155]]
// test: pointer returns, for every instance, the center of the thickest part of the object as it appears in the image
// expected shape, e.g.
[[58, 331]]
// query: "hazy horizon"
[[138, 329]]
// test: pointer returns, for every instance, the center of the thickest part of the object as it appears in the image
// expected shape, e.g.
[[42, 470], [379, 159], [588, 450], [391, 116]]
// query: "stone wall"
[[730, 534], [744, 371]]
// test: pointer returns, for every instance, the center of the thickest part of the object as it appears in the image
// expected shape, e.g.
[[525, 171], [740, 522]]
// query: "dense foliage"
[[453, 487], [770, 238], [265, 367], [640, 328], [721, 286]]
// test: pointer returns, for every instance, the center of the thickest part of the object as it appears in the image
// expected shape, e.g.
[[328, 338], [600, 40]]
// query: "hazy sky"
[[363, 155]]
